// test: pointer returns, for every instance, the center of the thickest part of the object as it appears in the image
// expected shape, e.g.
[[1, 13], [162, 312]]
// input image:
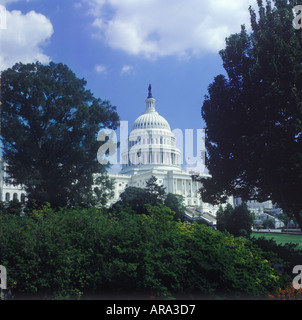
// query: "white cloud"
[[154, 28], [127, 69], [23, 38], [100, 68], [95, 6]]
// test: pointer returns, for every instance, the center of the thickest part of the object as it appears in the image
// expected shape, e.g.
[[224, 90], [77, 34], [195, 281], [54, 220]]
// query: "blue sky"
[[120, 46]]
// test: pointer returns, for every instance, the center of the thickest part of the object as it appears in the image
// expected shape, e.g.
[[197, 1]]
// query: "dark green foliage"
[[93, 253], [12, 207], [253, 115], [222, 217], [153, 194], [238, 221], [134, 198], [284, 257], [103, 193], [156, 192], [49, 132], [228, 266], [175, 203]]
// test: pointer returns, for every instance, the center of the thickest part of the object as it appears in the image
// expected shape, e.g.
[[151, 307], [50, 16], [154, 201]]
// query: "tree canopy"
[[238, 221], [50, 123], [253, 115], [139, 199], [155, 191]]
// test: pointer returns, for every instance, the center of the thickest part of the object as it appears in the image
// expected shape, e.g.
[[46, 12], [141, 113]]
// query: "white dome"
[[151, 143], [150, 119]]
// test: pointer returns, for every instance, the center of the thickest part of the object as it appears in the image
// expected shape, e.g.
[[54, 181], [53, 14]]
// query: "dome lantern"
[[150, 102], [150, 119]]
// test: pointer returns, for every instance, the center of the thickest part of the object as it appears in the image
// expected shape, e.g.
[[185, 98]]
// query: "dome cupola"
[[151, 143], [150, 119]]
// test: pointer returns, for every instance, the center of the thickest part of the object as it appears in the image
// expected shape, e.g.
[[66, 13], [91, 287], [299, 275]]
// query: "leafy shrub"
[[228, 266], [282, 256], [80, 252], [11, 207], [238, 221]]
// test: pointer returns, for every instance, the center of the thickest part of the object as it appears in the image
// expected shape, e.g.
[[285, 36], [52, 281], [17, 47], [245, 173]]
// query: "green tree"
[[238, 221], [156, 192], [153, 194], [49, 132], [12, 207], [133, 197], [176, 203], [223, 217], [253, 115]]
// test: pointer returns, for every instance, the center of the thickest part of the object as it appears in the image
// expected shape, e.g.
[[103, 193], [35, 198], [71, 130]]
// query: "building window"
[[15, 196], [7, 197]]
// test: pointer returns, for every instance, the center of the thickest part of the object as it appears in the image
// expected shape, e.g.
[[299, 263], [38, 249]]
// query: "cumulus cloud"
[[23, 38], [156, 28], [99, 68], [126, 69]]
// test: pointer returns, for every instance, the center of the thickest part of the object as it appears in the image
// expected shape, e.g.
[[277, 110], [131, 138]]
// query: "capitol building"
[[152, 151]]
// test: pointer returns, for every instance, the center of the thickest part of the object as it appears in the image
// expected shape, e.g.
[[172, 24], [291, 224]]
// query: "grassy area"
[[281, 238]]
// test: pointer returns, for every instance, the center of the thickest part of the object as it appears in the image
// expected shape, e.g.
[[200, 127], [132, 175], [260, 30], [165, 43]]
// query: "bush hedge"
[[73, 253]]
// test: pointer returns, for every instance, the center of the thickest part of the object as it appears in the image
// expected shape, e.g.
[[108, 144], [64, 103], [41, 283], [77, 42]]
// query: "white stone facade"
[[255, 206], [9, 191], [176, 182]]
